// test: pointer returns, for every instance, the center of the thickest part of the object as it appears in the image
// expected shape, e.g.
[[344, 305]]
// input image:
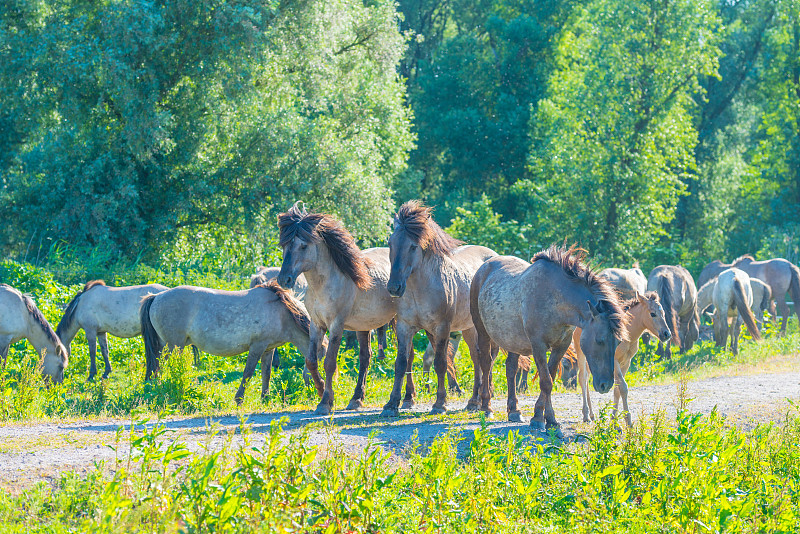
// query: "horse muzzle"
[[396, 289], [665, 335], [604, 386], [285, 281]]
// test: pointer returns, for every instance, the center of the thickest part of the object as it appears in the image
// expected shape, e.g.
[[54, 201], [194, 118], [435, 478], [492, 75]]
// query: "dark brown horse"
[[530, 308], [346, 290], [430, 279], [678, 295]]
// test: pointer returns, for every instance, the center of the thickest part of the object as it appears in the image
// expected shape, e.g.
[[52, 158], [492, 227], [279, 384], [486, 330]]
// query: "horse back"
[[14, 321], [113, 309]]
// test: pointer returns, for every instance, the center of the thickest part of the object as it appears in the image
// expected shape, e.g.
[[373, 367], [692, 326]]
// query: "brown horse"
[[781, 275], [678, 294], [430, 279], [530, 308], [226, 323], [346, 290], [644, 314], [21, 319]]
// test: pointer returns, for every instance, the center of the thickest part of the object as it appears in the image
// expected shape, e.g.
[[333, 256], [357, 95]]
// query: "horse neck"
[[325, 275], [69, 333], [636, 325], [578, 313], [39, 338]]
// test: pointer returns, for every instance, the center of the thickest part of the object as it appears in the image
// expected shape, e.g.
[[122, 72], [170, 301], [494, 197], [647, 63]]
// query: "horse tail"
[[665, 289], [794, 289], [152, 343], [524, 364], [744, 309]]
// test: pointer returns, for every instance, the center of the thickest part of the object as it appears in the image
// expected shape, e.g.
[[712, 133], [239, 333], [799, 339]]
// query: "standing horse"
[[346, 289], [530, 308], [21, 319], [762, 299], [781, 275], [628, 282], [644, 313], [711, 271], [678, 296], [430, 278], [100, 310], [226, 323], [733, 297]]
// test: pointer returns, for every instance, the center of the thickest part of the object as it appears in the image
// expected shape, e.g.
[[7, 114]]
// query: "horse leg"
[[249, 368], [405, 335], [411, 391], [583, 380], [427, 363], [539, 357], [104, 351], [267, 359], [512, 406], [382, 341], [312, 357], [5, 344], [91, 338], [784, 309], [325, 406], [440, 363], [735, 332], [471, 339], [364, 358], [522, 379]]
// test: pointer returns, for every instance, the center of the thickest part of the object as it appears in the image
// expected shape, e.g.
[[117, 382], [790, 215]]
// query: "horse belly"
[[504, 326]]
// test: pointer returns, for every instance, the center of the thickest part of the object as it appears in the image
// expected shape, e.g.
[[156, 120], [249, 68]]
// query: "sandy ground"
[[34, 452]]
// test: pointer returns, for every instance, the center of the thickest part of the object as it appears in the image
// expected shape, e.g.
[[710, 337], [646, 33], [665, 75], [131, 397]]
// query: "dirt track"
[[33, 452]]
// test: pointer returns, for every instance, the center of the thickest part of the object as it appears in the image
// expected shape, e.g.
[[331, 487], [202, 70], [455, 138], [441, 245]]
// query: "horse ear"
[[640, 297], [592, 308]]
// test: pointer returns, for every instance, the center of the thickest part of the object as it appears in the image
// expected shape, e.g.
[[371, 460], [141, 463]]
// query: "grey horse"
[[678, 295]]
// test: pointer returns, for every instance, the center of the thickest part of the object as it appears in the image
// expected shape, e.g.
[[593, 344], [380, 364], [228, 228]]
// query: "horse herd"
[[424, 280]]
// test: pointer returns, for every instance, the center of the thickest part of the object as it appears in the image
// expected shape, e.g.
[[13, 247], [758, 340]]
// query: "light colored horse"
[[628, 282], [530, 308], [644, 314], [430, 278], [678, 295], [100, 310], [781, 275], [762, 296], [346, 290], [733, 297], [21, 319], [226, 323]]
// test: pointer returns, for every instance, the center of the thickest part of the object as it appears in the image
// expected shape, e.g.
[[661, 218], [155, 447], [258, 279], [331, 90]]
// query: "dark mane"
[[299, 315], [743, 257], [316, 227], [415, 219], [571, 261], [69, 314], [631, 303], [36, 313]]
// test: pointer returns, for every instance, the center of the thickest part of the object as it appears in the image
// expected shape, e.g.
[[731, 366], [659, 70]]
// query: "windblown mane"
[[415, 219], [69, 314], [37, 316], [316, 227], [665, 287], [571, 261], [299, 315]]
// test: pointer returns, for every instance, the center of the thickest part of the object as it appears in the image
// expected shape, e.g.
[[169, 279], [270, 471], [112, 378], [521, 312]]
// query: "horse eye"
[[303, 246], [413, 247], [652, 314]]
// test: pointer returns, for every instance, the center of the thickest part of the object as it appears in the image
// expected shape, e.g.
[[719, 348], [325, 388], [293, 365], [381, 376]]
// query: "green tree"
[[614, 141]]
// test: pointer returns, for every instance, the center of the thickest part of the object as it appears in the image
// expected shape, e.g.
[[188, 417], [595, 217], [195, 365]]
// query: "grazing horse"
[[628, 282], [346, 290], [733, 297], [226, 323], [21, 319], [644, 314], [430, 279], [530, 308], [100, 310], [781, 275], [762, 299], [678, 296], [711, 271]]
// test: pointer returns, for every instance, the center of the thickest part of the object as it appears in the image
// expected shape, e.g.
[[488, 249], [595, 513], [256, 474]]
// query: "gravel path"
[[33, 452]]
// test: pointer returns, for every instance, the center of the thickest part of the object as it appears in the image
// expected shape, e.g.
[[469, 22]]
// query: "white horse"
[[100, 310], [21, 319], [733, 297]]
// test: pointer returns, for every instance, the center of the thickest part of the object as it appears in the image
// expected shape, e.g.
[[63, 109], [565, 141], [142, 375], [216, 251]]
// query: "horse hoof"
[[408, 404], [488, 415], [91, 378], [555, 431], [515, 417], [323, 409], [537, 426], [105, 376], [390, 412], [438, 410], [472, 406], [355, 404]]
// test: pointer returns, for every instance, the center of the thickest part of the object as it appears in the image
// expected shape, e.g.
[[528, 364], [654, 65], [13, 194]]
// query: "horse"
[[100, 310], [21, 319], [226, 323], [530, 308], [346, 290], [781, 275], [430, 353], [733, 297], [762, 299], [678, 295], [430, 279], [644, 314], [711, 271], [568, 371], [628, 282]]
